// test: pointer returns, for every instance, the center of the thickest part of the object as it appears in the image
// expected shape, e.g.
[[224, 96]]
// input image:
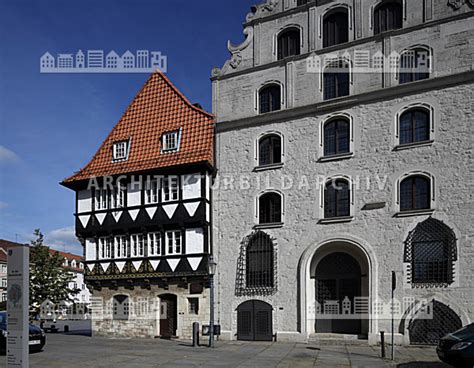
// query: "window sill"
[[274, 225], [336, 220], [414, 213], [402, 147], [268, 167], [343, 156]]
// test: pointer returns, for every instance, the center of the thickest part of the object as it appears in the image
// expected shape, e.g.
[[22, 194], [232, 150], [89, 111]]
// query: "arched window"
[[269, 205], [336, 137], [121, 307], [431, 251], [415, 64], [289, 43], [337, 199], [336, 80], [269, 150], [414, 126], [335, 27], [388, 16], [415, 193], [270, 98], [259, 261]]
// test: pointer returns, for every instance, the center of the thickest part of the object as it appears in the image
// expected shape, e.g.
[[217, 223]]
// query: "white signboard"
[[17, 307]]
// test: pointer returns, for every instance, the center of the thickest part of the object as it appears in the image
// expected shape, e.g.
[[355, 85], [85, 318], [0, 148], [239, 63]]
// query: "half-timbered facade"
[[143, 215]]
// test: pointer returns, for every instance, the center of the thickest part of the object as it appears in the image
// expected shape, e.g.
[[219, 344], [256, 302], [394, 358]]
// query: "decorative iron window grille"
[[257, 266], [430, 250], [429, 331]]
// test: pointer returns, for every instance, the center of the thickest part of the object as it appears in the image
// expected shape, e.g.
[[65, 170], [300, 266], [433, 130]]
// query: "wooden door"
[[168, 316], [254, 321]]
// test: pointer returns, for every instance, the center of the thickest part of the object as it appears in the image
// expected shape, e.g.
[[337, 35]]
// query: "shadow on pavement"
[[423, 365]]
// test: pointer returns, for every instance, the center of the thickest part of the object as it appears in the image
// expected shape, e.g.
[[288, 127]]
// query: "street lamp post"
[[212, 270]]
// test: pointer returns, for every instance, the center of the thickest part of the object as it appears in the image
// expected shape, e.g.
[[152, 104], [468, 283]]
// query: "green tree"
[[48, 279]]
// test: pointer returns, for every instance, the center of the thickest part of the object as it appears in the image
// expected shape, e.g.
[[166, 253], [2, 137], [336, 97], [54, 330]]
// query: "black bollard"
[[196, 334], [66, 328], [382, 342]]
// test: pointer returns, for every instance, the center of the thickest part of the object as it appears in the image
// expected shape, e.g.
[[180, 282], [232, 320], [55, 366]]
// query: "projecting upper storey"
[[287, 58], [160, 129]]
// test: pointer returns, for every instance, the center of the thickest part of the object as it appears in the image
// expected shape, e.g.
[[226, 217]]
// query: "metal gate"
[[254, 321], [338, 282], [438, 322]]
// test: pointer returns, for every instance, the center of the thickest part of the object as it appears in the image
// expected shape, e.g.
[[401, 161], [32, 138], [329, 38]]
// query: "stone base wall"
[[144, 317]]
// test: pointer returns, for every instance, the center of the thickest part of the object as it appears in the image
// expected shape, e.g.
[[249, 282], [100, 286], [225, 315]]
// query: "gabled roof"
[[158, 108]]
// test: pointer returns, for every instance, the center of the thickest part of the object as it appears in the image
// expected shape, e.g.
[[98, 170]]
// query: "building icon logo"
[[97, 61]]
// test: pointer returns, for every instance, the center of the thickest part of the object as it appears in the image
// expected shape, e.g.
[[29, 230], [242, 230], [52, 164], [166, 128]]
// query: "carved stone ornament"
[[456, 4], [235, 60], [470, 2]]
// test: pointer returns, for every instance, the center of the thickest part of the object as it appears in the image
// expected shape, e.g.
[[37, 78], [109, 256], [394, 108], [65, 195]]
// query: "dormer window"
[[170, 141], [121, 150]]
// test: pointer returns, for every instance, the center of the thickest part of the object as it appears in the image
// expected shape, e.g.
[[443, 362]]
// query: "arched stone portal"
[[330, 271]]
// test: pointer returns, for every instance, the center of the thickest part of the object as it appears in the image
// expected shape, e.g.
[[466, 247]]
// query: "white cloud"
[[63, 239], [7, 156]]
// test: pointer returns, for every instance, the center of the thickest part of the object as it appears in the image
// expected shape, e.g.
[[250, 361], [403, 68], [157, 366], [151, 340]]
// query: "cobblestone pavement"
[[72, 351]]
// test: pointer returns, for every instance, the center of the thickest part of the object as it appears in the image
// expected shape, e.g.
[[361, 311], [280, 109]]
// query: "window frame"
[[171, 248], [137, 245], [263, 87], [322, 200], [293, 28], [432, 195], [123, 150], [165, 148], [154, 244], [326, 120], [170, 193], [121, 243], [414, 77], [432, 125], [325, 73], [331, 12], [152, 190], [386, 4], [258, 222], [258, 166]]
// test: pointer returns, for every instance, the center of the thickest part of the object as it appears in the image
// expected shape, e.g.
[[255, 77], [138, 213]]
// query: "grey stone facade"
[[144, 318], [375, 237]]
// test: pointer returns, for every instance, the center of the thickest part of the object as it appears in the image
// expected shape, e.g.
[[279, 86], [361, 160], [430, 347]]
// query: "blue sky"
[[52, 124]]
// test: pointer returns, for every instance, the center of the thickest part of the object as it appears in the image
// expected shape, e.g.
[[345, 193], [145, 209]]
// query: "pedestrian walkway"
[[69, 351]]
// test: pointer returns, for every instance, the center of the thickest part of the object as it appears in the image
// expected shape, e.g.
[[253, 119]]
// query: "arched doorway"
[[338, 284], [168, 315], [435, 321], [254, 321]]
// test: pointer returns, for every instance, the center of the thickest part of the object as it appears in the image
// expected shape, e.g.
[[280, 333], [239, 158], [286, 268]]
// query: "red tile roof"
[[158, 108], [5, 244]]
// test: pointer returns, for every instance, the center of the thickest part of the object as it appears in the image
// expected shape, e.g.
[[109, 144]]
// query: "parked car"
[[457, 348], [37, 336]]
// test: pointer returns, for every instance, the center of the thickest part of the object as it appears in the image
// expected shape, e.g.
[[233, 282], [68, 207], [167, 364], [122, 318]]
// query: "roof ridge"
[[180, 94]]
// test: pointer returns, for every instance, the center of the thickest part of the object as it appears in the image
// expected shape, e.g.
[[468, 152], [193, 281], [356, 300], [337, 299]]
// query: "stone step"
[[336, 340]]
